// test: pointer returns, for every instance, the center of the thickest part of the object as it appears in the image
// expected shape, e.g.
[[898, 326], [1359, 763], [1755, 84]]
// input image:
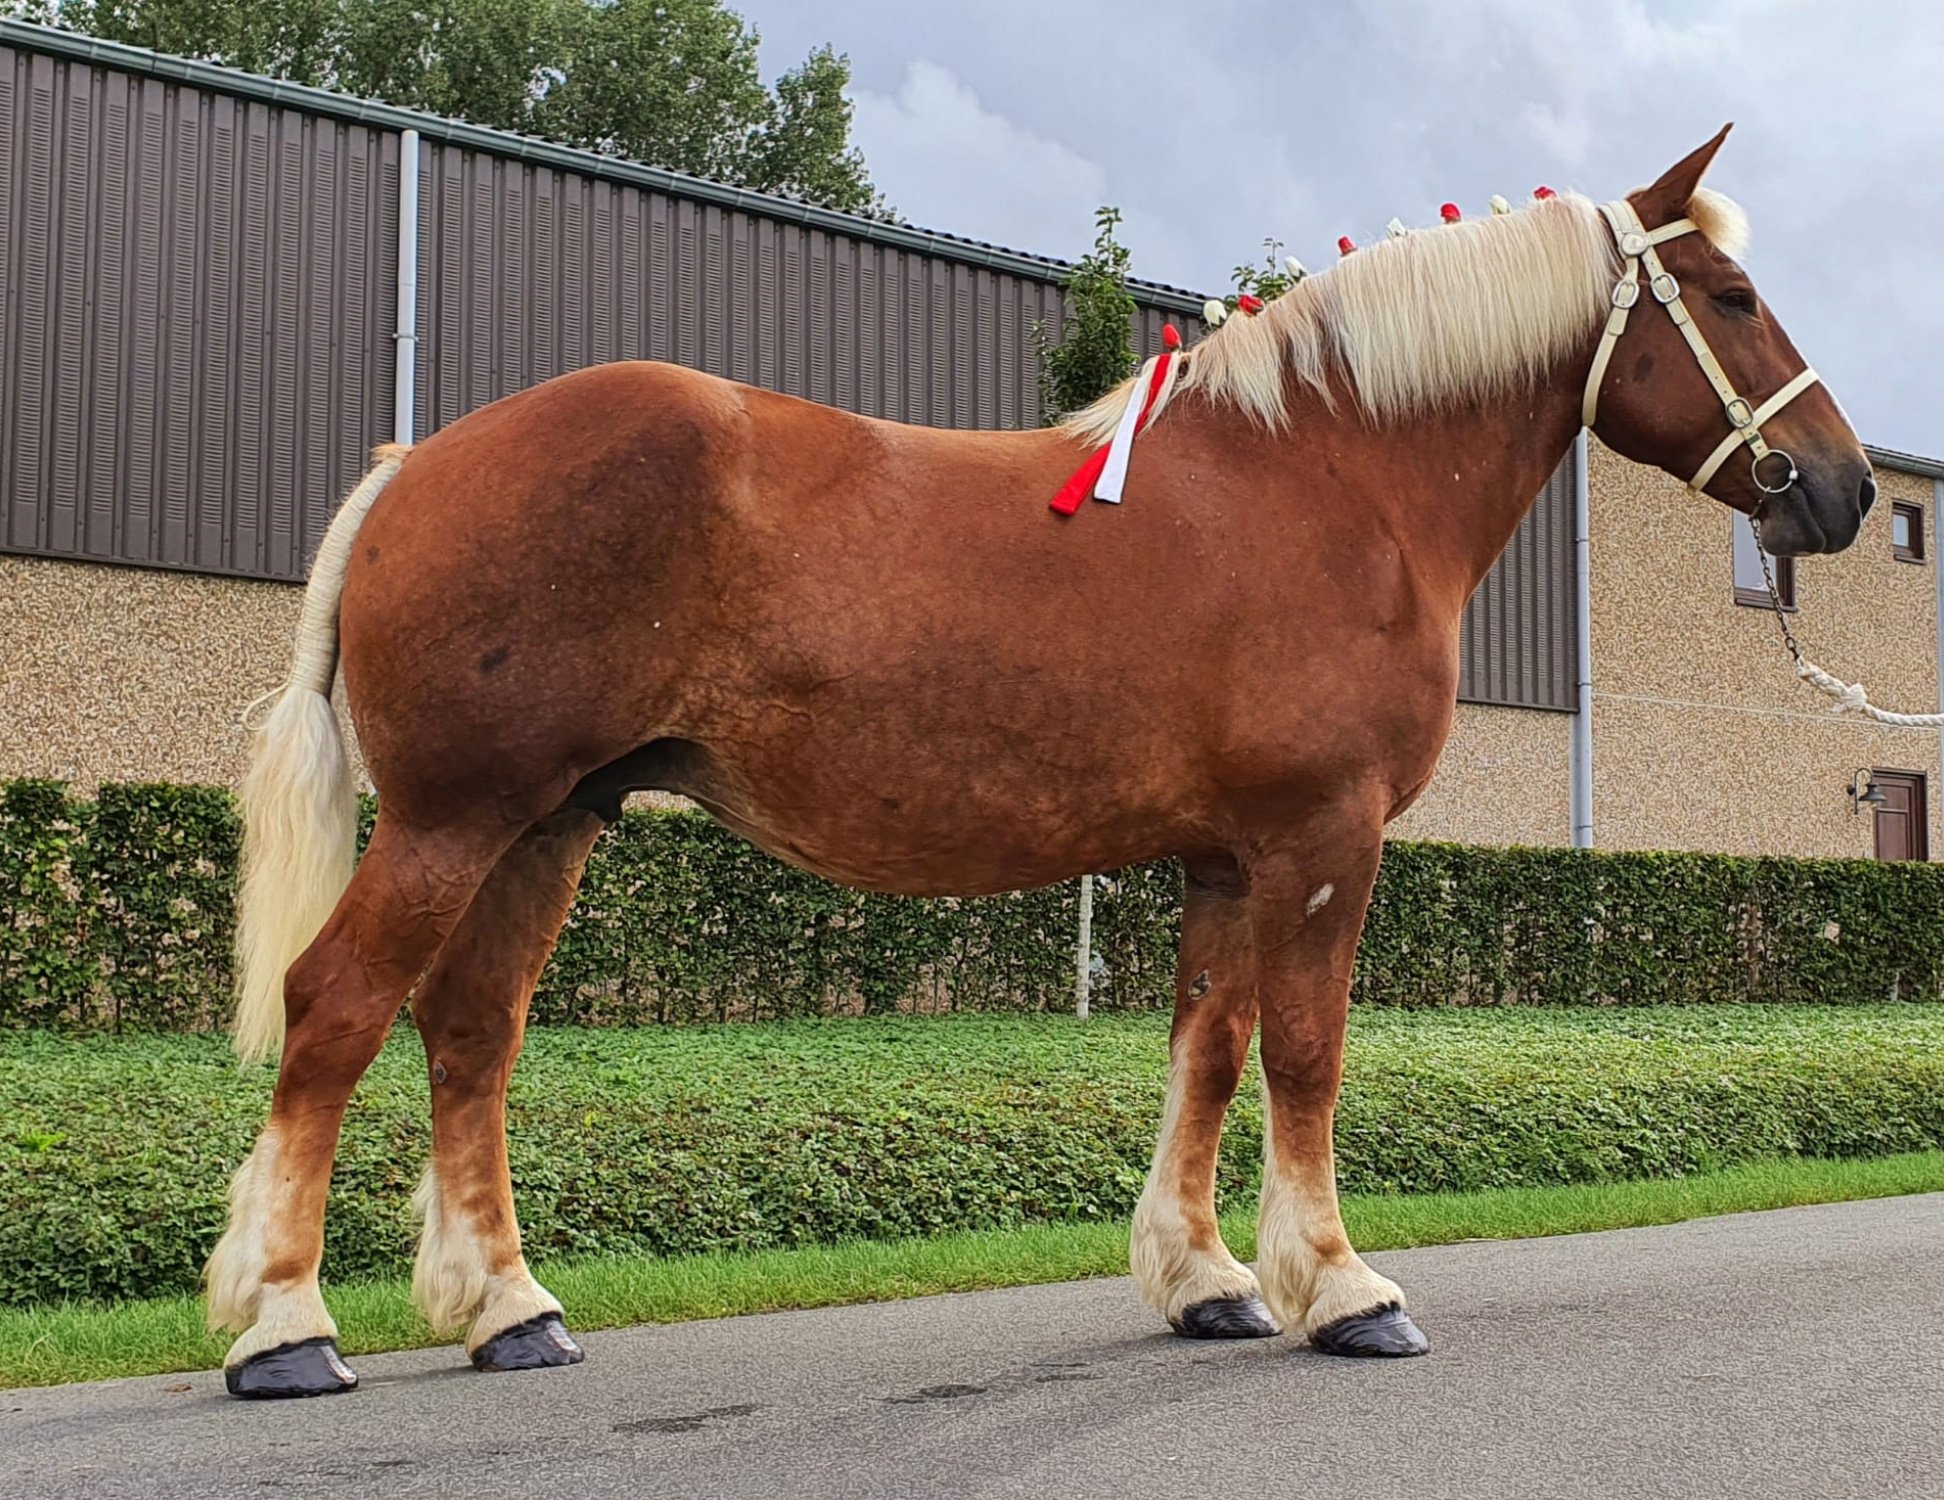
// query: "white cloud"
[[1566, 137], [1649, 40], [947, 162]]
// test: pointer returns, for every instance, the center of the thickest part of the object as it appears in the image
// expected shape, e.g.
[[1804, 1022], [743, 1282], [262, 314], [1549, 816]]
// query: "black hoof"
[[1383, 1333], [538, 1344], [1227, 1318], [309, 1368]]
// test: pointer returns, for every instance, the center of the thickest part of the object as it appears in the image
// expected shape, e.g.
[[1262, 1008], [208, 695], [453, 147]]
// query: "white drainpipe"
[[405, 340], [1932, 545], [1580, 800], [1083, 956]]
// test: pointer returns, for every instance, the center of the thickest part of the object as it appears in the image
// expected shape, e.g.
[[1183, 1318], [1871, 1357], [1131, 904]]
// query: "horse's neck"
[[1461, 481]]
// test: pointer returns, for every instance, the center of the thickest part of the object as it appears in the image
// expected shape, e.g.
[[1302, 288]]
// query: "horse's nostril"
[[1866, 495]]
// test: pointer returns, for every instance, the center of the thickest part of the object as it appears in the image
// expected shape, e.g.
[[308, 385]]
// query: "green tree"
[[806, 142], [671, 82], [487, 61], [1096, 348], [280, 38]]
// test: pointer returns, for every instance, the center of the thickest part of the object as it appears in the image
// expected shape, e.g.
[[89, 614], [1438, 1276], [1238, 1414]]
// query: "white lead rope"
[[1850, 696]]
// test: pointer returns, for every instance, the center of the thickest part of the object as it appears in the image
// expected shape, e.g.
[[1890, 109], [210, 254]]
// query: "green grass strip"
[[84, 1341]]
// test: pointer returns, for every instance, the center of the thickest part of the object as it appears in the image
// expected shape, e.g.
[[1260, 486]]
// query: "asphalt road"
[[1798, 1353]]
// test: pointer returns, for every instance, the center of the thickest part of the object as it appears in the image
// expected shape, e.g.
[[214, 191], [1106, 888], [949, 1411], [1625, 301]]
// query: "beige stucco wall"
[[1702, 737], [127, 674], [1503, 779]]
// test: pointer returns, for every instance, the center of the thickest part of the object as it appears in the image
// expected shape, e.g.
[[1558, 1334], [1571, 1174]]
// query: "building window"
[[1749, 587], [1903, 817], [1907, 532]]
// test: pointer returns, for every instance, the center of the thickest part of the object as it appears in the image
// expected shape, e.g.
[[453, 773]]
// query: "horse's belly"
[[924, 829]]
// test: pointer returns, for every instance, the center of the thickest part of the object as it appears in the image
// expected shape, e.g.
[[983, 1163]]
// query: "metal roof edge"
[[75, 47], [1905, 463]]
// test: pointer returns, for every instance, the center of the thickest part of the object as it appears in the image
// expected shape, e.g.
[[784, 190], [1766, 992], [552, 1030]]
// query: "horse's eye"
[[1736, 299]]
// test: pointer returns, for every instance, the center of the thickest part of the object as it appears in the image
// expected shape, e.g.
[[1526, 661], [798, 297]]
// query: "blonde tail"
[[300, 804]]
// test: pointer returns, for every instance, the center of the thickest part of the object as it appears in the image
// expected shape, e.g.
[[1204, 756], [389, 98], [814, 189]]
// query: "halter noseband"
[[1637, 244]]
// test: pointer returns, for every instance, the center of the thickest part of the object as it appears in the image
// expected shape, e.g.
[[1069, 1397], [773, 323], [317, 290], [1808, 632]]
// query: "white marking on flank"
[[1320, 900]]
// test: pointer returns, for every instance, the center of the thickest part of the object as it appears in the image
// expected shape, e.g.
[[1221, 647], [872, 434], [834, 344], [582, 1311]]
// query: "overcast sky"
[[1213, 124]]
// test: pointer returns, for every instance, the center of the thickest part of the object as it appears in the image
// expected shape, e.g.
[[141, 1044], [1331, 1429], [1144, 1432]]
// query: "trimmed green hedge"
[[660, 1141], [115, 913]]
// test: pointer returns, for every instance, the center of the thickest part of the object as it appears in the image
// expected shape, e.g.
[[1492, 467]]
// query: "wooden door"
[[1903, 821]]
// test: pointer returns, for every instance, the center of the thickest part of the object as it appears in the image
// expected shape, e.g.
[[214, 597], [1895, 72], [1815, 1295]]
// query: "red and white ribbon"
[[1158, 382], [1104, 475]]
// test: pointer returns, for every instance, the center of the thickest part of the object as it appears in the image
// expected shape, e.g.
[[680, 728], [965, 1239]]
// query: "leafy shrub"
[[1466, 926], [116, 914], [116, 1151], [47, 968]]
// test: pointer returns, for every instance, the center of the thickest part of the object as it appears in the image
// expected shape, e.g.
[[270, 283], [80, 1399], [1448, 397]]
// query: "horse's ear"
[[1668, 198]]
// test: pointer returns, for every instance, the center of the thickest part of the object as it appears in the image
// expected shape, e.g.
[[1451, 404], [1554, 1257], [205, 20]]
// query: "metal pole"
[[405, 338], [1932, 544], [1083, 961], [1580, 797]]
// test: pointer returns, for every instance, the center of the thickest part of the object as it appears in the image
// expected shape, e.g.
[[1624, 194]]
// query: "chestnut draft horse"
[[872, 650]]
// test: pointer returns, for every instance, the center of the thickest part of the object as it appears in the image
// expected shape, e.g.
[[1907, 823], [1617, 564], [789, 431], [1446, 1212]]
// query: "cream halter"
[[1637, 244]]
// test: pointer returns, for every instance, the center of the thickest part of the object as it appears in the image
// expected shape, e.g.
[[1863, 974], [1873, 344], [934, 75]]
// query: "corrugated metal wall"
[[527, 272], [197, 280], [195, 339], [195, 332], [1519, 637]]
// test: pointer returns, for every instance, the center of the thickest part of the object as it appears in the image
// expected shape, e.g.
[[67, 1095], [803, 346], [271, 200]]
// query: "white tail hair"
[[300, 804]]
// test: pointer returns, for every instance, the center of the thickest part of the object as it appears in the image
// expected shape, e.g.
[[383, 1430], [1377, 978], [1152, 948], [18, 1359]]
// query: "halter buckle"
[[1755, 472], [1740, 413], [1666, 288], [1625, 294]]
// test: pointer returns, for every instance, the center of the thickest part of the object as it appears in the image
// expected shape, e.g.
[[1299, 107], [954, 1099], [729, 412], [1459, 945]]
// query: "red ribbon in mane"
[[1081, 485]]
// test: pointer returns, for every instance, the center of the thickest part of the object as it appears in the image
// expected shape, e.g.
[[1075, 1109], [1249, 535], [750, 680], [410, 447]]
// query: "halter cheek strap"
[[1637, 246]]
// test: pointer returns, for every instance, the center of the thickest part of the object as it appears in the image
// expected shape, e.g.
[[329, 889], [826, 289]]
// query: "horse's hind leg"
[[1178, 1258], [340, 998], [471, 1012]]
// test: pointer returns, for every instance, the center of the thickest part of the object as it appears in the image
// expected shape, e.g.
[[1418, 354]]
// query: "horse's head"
[[1700, 380]]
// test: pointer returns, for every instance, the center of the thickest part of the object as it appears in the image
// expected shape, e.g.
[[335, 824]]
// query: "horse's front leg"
[[1307, 899], [1179, 1261]]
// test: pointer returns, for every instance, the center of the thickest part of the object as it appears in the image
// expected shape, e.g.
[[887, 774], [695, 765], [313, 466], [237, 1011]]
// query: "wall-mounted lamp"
[[1863, 792]]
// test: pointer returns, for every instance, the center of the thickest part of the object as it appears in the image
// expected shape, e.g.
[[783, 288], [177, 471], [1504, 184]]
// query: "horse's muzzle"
[[1821, 512]]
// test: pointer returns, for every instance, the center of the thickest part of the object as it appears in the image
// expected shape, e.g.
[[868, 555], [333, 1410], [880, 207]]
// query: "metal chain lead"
[[1775, 594]]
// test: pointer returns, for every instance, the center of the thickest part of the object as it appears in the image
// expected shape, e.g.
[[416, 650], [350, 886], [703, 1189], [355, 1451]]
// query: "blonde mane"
[[1431, 320]]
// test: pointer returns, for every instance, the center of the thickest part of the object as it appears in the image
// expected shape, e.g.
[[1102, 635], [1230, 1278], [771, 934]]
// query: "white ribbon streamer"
[[1113, 475]]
